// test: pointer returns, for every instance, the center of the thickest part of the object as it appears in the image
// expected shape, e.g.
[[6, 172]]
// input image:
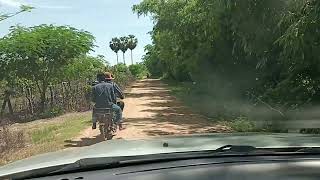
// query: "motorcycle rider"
[[104, 95], [118, 91]]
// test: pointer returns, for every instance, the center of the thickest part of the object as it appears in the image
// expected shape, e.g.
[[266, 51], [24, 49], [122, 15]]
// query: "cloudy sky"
[[103, 18]]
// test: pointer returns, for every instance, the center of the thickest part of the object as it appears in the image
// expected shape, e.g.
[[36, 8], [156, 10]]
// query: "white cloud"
[[10, 3]]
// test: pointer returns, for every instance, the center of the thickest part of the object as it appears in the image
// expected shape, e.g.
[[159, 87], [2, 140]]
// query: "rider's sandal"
[[121, 127]]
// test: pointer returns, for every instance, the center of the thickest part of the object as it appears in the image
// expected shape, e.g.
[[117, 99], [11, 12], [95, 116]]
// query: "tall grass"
[[42, 137], [59, 132], [10, 140]]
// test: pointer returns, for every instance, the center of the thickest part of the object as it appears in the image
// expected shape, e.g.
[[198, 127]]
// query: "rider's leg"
[[118, 113], [121, 104], [94, 121]]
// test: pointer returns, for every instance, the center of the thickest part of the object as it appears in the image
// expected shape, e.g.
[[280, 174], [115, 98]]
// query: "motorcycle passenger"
[[118, 92], [104, 96]]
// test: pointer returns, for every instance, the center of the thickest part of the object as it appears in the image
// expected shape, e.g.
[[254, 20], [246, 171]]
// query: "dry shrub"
[[10, 139]]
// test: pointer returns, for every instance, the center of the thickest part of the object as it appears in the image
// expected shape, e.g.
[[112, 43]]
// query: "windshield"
[[104, 74]]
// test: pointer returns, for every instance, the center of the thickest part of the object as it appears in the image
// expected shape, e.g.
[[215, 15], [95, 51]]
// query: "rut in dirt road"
[[151, 111]]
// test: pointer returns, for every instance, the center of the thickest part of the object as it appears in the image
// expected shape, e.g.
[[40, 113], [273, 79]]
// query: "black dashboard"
[[239, 168]]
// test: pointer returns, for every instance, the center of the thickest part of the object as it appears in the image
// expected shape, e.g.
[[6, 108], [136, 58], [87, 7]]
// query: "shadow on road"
[[168, 115], [151, 111], [83, 142], [161, 125], [149, 83]]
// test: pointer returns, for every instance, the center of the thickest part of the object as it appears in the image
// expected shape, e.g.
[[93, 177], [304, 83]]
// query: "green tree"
[[40, 53], [9, 92], [152, 62], [115, 46], [83, 67], [103, 59], [265, 48], [124, 46], [132, 44], [139, 70]]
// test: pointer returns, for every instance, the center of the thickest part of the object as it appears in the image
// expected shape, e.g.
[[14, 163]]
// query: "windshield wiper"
[[309, 150], [93, 163], [235, 149]]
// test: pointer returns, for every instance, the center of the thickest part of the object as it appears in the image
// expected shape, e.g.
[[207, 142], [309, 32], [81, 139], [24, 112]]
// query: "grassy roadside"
[[202, 102], [48, 136]]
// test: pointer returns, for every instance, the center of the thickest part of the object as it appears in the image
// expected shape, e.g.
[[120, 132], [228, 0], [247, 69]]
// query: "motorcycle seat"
[[104, 111]]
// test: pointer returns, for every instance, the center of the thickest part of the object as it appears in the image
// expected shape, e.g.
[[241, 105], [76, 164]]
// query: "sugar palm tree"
[[132, 44], [115, 46], [124, 46]]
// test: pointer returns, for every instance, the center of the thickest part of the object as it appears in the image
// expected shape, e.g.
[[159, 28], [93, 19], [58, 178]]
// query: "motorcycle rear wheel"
[[103, 131], [108, 132]]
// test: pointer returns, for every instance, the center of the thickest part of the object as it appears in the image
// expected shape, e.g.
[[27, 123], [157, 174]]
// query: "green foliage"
[[139, 71], [247, 51], [152, 62], [124, 46], [123, 43], [41, 53], [83, 67], [119, 68], [242, 124], [51, 112], [132, 42], [114, 45], [47, 68], [122, 75]]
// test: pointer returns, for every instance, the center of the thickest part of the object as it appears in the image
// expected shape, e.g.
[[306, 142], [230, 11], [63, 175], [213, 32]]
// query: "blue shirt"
[[105, 94]]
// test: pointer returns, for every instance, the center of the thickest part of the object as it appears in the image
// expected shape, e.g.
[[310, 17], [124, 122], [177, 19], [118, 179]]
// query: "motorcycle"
[[106, 119], [107, 125]]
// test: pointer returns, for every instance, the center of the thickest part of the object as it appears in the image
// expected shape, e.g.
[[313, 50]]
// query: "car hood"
[[116, 148]]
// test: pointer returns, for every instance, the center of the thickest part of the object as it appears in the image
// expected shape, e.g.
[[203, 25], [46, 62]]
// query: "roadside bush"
[[51, 112], [10, 140], [242, 124], [119, 69], [241, 57], [139, 71], [122, 74]]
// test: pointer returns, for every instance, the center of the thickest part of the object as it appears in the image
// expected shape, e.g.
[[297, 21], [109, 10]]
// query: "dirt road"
[[151, 111]]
